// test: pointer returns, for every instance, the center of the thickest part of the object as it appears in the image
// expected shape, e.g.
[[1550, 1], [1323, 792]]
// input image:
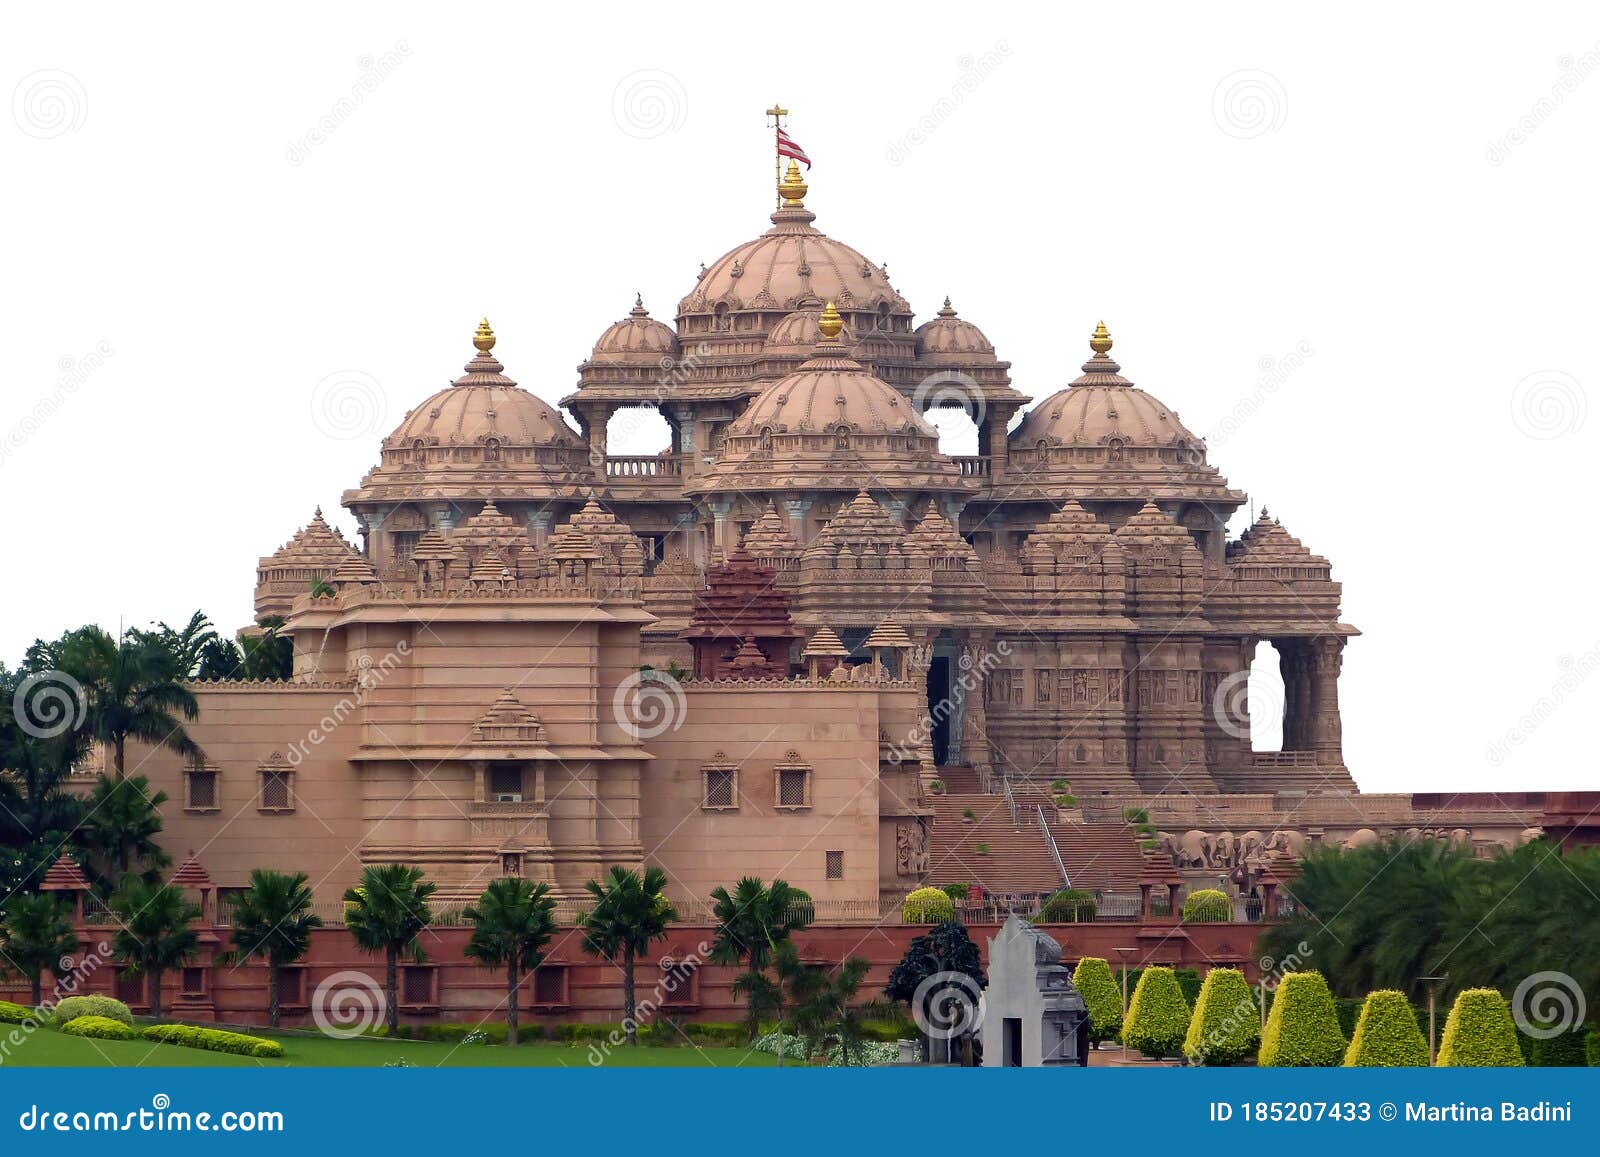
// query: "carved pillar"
[[1327, 657], [975, 716], [685, 425], [539, 526], [798, 509], [719, 528]]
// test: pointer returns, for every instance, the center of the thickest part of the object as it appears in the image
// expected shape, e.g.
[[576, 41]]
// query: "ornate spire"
[[638, 309], [484, 338], [948, 310], [793, 188], [1100, 342], [830, 323]]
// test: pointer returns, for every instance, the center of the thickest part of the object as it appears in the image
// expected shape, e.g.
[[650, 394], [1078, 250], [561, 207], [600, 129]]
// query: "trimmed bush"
[[453, 1032], [1158, 1016], [1208, 905], [75, 1006], [214, 1040], [1480, 1033], [1068, 906], [1591, 1048], [927, 906], [14, 1013], [100, 1027], [1226, 1026], [1101, 996], [1302, 1028], [1386, 1035], [1562, 1051]]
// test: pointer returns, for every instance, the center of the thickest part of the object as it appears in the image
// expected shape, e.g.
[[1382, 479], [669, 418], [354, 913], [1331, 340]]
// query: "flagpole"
[[777, 112]]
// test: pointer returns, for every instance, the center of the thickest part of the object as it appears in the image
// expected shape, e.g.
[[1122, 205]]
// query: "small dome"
[[798, 333], [947, 337], [637, 338], [831, 392]]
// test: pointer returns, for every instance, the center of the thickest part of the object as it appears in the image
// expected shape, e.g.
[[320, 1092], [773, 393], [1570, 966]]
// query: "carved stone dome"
[[637, 339], [949, 340]]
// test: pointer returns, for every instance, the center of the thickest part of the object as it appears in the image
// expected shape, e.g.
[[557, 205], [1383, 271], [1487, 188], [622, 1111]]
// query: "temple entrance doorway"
[[1266, 699], [941, 708]]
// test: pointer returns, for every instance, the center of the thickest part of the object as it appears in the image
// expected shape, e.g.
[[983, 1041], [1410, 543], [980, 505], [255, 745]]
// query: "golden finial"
[[1101, 341], [792, 187], [830, 323], [484, 338]]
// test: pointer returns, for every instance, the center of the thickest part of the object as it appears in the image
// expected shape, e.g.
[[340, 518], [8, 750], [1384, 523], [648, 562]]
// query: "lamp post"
[[1433, 983], [1124, 953]]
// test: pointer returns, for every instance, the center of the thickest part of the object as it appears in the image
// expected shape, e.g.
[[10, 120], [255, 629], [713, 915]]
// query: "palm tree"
[[35, 935], [273, 920], [121, 825], [751, 923], [826, 1007], [386, 912], [156, 932], [133, 688], [37, 812], [630, 911], [511, 923], [187, 644]]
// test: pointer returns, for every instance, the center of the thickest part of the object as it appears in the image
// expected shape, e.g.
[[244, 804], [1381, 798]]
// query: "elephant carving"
[[1168, 845], [1287, 840], [1194, 850]]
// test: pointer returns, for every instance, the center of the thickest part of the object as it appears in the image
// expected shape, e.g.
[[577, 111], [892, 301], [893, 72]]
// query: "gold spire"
[[1101, 341], [484, 338], [830, 323], [792, 188]]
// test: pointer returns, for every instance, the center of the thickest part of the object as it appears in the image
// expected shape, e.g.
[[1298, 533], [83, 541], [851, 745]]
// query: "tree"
[[261, 654], [826, 1007], [1302, 1028], [156, 932], [511, 924], [1480, 1032], [928, 906], [774, 994], [1101, 997], [751, 922], [1158, 1016], [120, 827], [37, 812], [272, 920], [131, 688], [1386, 1034], [34, 936], [948, 963], [188, 643], [630, 912], [386, 912], [1226, 1026]]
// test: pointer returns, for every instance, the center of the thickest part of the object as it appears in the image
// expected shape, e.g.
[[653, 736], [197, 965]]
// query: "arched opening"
[[958, 433], [635, 431], [1266, 699]]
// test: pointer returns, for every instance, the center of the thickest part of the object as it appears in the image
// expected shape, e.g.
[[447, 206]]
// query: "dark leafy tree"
[[511, 924], [751, 923], [630, 912], [386, 912], [272, 921], [35, 933], [119, 829], [946, 952], [155, 934]]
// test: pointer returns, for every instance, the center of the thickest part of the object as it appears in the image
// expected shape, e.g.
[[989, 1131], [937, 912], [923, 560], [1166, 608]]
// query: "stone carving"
[[911, 850]]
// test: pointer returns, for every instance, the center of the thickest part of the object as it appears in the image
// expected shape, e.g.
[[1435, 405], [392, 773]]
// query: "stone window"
[[505, 783], [680, 982], [550, 985], [834, 865], [793, 783], [277, 789], [129, 988], [719, 785], [200, 785], [194, 982], [291, 986], [417, 985]]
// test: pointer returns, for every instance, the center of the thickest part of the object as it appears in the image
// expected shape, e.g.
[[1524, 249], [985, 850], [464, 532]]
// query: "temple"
[[801, 640]]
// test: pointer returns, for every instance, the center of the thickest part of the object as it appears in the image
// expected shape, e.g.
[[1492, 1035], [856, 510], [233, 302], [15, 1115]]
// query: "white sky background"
[[1435, 444]]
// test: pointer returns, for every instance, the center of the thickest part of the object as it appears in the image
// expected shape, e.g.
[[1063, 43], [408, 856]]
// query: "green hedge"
[[1591, 1048], [101, 1027], [1189, 982], [75, 1006], [1068, 906], [1387, 1035], [1302, 1028], [1562, 1051], [1158, 1015], [454, 1032], [927, 906], [1480, 1033], [1208, 905], [214, 1040], [1226, 1026], [14, 1013], [1101, 996]]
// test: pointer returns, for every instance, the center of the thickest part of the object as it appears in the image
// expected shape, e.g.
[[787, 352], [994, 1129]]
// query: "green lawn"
[[48, 1048]]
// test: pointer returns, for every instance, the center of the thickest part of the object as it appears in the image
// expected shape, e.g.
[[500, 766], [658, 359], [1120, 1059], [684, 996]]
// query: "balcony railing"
[[972, 467], [648, 466]]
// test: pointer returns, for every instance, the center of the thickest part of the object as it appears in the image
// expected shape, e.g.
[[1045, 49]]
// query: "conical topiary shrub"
[[1226, 1026], [1302, 1028], [1386, 1034], [1158, 1016], [1480, 1032], [1101, 996]]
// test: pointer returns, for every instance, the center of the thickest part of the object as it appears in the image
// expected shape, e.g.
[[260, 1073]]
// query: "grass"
[[47, 1048]]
